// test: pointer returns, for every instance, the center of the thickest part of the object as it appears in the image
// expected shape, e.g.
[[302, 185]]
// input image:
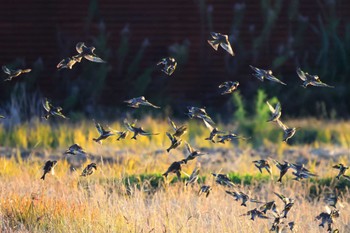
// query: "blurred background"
[[132, 36]]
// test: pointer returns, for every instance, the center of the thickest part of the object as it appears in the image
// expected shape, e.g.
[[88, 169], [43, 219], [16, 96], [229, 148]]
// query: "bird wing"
[[94, 59], [320, 84], [227, 47], [128, 126], [170, 137], [46, 105], [270, 107], [274, 79], [208, 125], [172, 124], [79, 47], [146, 103], [283, 198], [213, 43], [99, 128], [6, 70], [207, 119], [301, 74], [278, 107], [283, 126], [189, 148]]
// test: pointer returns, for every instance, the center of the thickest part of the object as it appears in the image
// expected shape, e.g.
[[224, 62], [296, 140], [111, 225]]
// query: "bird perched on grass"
[[239, 195], [179, 131], [222, 40], [229, 87], [255, 213], [288, 203], [229, 137], [136, 102], [276, 112], [282, 167], [89, 169], [49, 167], [137, 130], [103, 134], [168, 65], [342, 169], [73, 149], [287, 132], [213, 132], [223, 179], [69, 62], [175, 167], [265, 74], [199, 113], [312, 80], [14, 73], [262, 163], [194, 176], [175, 142], [87, 53], [52, 110], [192, 153], [204, 189]]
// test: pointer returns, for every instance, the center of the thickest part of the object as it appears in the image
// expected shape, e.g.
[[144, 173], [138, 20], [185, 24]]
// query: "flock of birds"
[[168, 66]]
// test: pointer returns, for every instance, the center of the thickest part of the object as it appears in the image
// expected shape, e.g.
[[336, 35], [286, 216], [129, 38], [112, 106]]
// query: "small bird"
[[239, 195], [179, 131], [168, 65], [229, 137], [52, 110], [199, 113], [282, 167], [255, 213], [175, 167], [327, 217], [312, 80], [268, 206], [288, 132], [137, 130], [194, 176], [332, 199], [75, 148], [49, 167], [223, 179], [136, 102], [276, 225], [89, 169], [213, 132], [69, 62], [222, 40], [260, 164], [14, 73], [104, 134], [342, 169], [193, 153], [87, 53], [174, 142], [205, 189], [301, 172], [276, 112], [229, 86], [288, 203], [265, 74]]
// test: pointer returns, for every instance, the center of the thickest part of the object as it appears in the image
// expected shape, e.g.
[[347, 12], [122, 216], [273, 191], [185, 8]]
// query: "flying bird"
[[192, 153], [260, 164], [14, 73], [199, 113], [52, 110], [287, 132], [265, 74], [223, 179], [175, 142], [137, 130], [49, 167], [74, 149], [222, 40], [69, 62], [342, 169], [282, 167], [301, 172], [103, 134], [328, 217], [276, 112], [179, 131], [312, 80], [168, 65], [213, 132], [175, 167], [194, 176], [89, 169], [255, 213], [136, 102], [229, 87], [229, 137], [288, 203], [87, 53], [204, 189], [239, 195]]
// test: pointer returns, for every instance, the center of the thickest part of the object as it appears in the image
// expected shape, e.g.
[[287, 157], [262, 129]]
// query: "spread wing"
[[301, 74], [270, 107], [79, 47], [128, 126], [170, 136], [208, 125], [99, 128], [6, 70], [94, 59], [172, 124], [227, 47], [283, 126], [46, 105]]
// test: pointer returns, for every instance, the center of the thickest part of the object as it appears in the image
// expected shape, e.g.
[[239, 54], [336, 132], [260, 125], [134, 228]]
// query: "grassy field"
[[128, 193]]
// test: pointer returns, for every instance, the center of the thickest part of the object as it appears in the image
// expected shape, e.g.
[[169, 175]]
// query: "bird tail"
[[43, 177], [168, 150], [165, 174]]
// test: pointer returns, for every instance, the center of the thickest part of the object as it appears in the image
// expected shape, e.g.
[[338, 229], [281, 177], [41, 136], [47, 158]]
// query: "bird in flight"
[[14, 73], [222, 40], [136, 102], [229, 87], [168, 65], [52, 110], [265, 74], [87, 53], [312, 80]]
